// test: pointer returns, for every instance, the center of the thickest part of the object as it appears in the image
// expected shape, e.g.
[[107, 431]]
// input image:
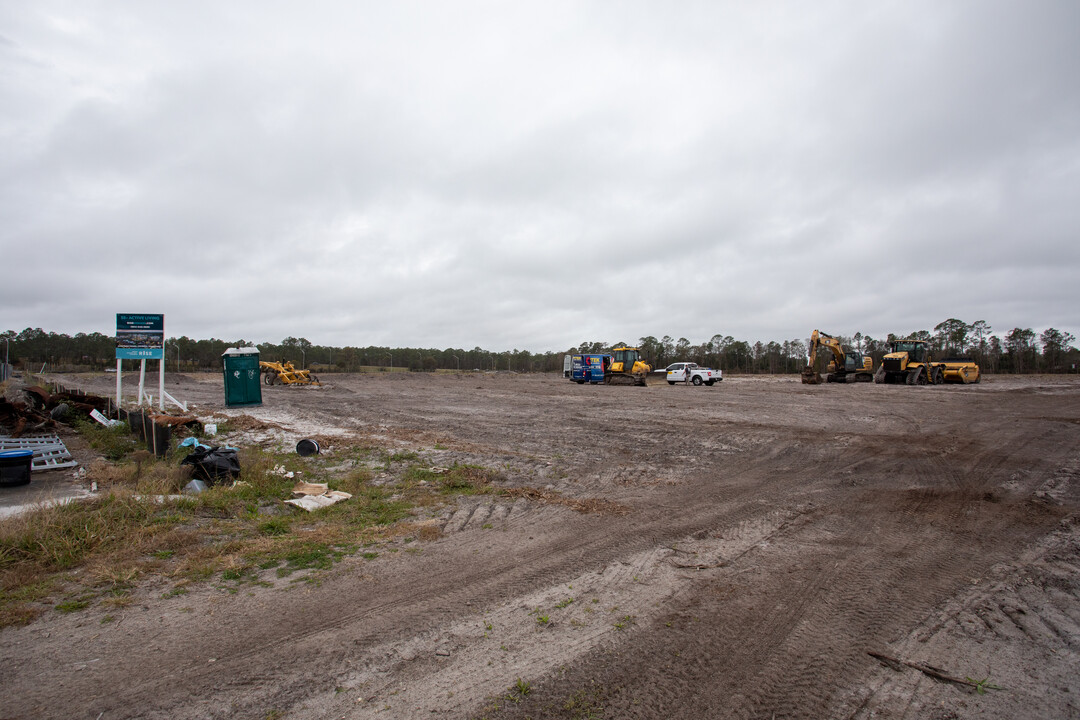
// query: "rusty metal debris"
[[31, 409]]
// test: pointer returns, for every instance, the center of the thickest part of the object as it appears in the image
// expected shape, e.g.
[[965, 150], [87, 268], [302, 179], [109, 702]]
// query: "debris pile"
[[313, 496], [32, 409]]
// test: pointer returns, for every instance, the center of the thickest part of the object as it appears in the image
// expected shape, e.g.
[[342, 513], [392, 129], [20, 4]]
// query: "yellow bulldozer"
[[846, 365], [908, 362], [285, 373], [626, 368]]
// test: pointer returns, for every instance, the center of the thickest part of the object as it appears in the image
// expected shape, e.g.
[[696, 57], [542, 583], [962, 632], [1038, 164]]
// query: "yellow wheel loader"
[[909, 362], [846, 365], [626, 368]]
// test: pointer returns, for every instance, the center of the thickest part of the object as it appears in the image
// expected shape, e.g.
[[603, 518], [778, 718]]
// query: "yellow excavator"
[[626, 368], [845, 366]]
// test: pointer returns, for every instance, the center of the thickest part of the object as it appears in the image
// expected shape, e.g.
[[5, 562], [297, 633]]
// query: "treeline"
[[33, 348], [1021, 350]]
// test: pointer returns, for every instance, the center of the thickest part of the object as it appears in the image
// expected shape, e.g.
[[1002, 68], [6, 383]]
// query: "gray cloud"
[[534, 176]]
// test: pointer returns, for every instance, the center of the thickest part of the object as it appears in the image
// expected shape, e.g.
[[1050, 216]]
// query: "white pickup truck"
[[677, 372]]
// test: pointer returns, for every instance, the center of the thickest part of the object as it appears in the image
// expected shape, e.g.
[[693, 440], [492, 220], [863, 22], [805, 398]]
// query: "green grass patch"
[[70, 606], [468, 480], [115, 443], [406, 456], [307, 554], [275, 526]]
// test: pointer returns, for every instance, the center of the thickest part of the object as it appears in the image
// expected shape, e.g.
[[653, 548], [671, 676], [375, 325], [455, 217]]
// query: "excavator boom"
[[846, 366]]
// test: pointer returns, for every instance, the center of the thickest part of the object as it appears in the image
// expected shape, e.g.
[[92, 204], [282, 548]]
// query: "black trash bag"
[[213, 465]]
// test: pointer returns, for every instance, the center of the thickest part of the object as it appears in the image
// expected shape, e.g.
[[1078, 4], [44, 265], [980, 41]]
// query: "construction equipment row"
[[908, 362]]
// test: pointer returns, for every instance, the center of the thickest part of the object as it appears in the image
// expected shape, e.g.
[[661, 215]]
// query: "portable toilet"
[[241, 368]]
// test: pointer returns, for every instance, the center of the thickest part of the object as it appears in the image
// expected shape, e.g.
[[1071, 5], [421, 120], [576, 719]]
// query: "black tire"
[[939, 376], [697, 380], [580, 382], [710, 382], [271, 378], [670, 382]]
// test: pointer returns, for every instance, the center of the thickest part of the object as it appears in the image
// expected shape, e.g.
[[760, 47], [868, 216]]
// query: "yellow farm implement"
[[285, 373]]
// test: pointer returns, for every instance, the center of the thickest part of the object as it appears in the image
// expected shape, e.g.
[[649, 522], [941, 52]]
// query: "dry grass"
[[138, 528]]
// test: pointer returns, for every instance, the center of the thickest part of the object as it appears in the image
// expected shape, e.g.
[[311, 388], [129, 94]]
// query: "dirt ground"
[[738, 551]]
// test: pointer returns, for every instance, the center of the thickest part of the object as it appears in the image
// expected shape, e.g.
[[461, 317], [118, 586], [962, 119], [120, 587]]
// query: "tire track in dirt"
[[304, 645], [444, 594], [925, 567], [1023, 615], [589, 610]]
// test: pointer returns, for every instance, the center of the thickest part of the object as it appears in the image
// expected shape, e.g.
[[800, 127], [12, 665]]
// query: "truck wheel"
[[939, 376], [709, 382], [670, 382], [697, 380], [580, 382]]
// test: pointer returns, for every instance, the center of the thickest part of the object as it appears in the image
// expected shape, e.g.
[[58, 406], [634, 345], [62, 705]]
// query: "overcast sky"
[[518, 175]]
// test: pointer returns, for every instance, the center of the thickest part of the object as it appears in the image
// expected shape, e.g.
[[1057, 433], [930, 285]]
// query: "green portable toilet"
[[241, 368]]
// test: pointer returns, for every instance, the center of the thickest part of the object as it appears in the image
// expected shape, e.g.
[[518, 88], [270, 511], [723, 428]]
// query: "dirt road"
[[751, 544]]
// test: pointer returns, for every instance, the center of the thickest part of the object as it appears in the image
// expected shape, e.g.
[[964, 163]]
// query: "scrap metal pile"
[[31, 409]]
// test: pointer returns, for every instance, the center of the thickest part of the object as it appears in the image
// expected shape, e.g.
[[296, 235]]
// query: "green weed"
[[584, 705], [115, 443], [70, 606], [981, 686], [275, 526]]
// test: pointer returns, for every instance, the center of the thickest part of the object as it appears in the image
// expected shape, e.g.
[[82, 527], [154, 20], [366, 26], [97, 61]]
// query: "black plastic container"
[[15, 466]]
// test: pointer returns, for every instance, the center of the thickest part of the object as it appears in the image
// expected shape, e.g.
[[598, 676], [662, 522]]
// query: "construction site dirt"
[[756, 549]]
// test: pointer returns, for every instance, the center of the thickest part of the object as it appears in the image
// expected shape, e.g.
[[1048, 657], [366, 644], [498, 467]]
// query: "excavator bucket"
[[810, 376]]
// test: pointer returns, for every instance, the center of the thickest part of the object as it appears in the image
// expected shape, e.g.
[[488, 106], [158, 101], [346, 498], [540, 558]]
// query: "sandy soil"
[[753, 543]]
